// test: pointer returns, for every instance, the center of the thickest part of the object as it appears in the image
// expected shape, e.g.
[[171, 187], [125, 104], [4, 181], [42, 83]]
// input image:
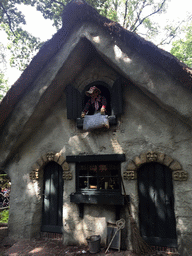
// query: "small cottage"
[[74, 176]]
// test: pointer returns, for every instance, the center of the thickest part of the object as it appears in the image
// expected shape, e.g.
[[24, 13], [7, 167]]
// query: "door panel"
[[156, 205], [52, 198]]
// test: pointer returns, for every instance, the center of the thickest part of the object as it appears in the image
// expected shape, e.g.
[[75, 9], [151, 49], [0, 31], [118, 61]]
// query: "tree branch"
[[171, 35], [138, 14], [57, 2], [9, 19], [125, 13], [161, 6]]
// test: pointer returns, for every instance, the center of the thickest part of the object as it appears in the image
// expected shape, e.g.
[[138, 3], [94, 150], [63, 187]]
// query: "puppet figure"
[[97, 103]]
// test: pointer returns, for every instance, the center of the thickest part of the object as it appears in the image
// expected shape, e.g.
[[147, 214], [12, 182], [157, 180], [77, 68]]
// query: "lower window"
[[98, 176]]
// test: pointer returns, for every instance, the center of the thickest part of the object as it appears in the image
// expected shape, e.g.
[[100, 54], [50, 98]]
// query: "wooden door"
[[52, 198], [156, 205]]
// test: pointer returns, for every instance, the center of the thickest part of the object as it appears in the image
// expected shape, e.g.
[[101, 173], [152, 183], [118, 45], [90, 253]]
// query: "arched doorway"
[[156, 205], [52, 198]]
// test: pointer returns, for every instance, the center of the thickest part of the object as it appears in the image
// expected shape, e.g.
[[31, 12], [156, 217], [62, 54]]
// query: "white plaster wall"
[[144, 126]]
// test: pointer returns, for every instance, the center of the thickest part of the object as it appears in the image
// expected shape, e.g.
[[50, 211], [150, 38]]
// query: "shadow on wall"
[[77, 229], [94, 222], [34, 192]]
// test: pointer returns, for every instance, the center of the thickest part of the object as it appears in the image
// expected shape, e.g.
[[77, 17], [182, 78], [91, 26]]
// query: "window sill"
[[115, 199], [99, 198], [112, 121]]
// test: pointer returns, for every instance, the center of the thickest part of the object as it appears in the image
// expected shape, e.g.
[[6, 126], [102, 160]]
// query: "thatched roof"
[[77, 12]]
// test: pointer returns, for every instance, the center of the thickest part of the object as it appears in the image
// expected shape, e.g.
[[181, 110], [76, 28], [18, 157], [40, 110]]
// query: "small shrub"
[[4, 216]]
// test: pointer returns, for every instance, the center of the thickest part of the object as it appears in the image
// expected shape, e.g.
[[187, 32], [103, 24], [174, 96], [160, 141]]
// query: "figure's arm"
[[86, 108]]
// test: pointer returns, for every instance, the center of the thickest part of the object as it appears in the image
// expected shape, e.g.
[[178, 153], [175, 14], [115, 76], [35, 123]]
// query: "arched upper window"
[[76, 100], [105, 91]]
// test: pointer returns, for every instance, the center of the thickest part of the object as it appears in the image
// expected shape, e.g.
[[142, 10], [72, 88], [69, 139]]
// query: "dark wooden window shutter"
[[74, 102], [117, 98]]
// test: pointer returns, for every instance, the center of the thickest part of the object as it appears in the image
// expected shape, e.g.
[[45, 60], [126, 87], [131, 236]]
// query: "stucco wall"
[[143, 127]]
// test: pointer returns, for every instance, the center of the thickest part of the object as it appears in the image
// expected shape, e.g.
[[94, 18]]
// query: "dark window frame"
[[94, 196], [75, 100], [103, 180]]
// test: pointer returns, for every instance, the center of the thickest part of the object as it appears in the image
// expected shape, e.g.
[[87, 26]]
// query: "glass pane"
[[101, 183], [104, 183], [83, 173], [83, 183], [114, 168], [114, 172], [104, 173], [113, 183], [83, 170], [93, 170], [99, 176], [103, 167], [93, 183]]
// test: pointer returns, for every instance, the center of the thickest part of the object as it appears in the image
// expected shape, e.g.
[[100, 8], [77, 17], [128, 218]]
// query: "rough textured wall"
[[144, 126]]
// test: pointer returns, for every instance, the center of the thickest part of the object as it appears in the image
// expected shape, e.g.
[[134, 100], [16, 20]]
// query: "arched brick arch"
[[50, 156], [178, 174]]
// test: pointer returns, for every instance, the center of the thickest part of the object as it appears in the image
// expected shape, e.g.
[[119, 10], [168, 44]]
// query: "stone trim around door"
[[178, 174], [48, 157]]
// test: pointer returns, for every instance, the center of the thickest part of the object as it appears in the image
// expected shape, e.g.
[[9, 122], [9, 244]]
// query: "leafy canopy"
[[134, 15], [22, 45], [182, 48], [3, 86], [3, 81]]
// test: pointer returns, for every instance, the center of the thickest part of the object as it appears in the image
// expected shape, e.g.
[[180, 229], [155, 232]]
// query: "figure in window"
[[97, 103]]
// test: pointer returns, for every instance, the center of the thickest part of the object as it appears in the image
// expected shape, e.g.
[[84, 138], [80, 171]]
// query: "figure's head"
[[93, 92]]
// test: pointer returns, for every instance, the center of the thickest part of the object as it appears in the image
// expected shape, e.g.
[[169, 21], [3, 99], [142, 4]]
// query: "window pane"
[[83, 170], [99, 176], [83, 173], [114, 172], [104, 173], [93, 170], [109, 183], [83, 183], [93, 183], [101, 183], [114, 183]]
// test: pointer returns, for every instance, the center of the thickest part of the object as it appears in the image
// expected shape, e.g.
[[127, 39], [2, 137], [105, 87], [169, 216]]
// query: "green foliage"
[[4, 181], [3, 81], [182, 48], [2, 56], [131, 14], [23, 46], [108, 10], [4, 216], [139, 12], [3, 86]]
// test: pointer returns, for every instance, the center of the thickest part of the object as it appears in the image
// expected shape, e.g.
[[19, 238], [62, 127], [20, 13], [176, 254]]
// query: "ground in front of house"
[[55, 247]]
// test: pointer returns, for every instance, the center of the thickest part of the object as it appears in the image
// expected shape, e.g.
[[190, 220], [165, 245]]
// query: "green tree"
[[3, 86], [3, 82], [182, 48], [22, 45], [131, 14]]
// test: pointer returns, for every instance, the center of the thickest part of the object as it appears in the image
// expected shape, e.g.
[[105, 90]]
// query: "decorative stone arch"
[[178, 174], [48, 157]]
